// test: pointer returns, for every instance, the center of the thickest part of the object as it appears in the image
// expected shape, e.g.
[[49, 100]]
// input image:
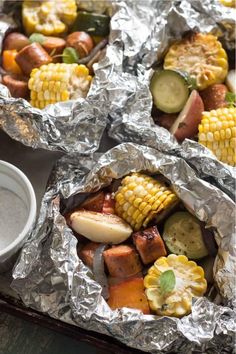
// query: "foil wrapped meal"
[[148, 28], [50, 277], [75, 125]]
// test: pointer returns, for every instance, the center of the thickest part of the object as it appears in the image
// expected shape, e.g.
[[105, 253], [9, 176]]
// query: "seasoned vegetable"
[[9, 62], [171, 284], [129, 293], [186, 125], [231, 80], [32, 56], [92, 23], [217, 132], [170, 90], [58, 82], [201, 56], [214, 97], [149, 244], [48, 17], [183, 235], [98, 227], [140, 198], [228, 3], [122, 261]]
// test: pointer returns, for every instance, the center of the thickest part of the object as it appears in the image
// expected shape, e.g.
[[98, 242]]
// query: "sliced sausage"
[[214, 97], [149, 244], [122, 261], [32, 56], [17, 86], [15, 41], [87, 253], [54, 45], [94, 202], [81, 41]]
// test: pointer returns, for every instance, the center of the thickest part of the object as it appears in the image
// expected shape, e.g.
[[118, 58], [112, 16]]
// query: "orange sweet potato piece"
[[149, 244], [129, 293], [87, 253], [122, 261]]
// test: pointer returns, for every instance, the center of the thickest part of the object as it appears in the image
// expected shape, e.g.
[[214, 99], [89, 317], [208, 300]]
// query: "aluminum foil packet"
[[75, 125], [50, 277], [146, 29]]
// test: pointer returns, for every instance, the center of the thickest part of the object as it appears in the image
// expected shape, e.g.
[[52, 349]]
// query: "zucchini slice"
[[170, 90], [92, 23], [183, 235]]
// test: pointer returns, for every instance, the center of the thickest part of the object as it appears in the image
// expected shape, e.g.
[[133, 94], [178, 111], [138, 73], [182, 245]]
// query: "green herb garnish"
[[230, 98], [37, 37], [70, 56], [167, 281]]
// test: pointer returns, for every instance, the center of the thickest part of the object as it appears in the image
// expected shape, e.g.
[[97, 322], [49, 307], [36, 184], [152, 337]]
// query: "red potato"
[[129, 293], [32, 56], [17, 85], [15, 41], [186, 125], [149, 244], [87, 253], [214, 97], [108, 204], [122, 261], [94, 203]]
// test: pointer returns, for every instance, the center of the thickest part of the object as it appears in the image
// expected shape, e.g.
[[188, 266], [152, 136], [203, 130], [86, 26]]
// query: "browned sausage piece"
[[32, 56], [81, 41], [15, 41], [54, 45], [87, 253], [17, 86], [122, 261], [214, 97], [149, 244]]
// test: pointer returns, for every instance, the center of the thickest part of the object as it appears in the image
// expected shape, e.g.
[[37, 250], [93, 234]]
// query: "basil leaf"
[[70, 55], [167, 281], [37, 37], [230, 98]]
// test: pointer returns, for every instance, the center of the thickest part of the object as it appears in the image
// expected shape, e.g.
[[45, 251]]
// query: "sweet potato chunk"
[[122, 261], [87, 253], [130, 293], [149, 244]]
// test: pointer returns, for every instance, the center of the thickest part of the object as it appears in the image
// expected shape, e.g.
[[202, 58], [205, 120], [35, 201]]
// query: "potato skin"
[[214, 97]]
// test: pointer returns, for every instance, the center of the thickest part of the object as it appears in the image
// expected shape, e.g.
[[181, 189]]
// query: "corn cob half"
[[201, 56], [48, 17], [140, 198], [217, 132], [58, 82], [228, 3], [190, 282]]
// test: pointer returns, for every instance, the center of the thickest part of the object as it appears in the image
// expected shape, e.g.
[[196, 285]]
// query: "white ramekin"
[[13, 179]]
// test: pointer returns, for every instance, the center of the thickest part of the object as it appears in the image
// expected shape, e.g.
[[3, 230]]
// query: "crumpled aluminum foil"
[[70, 126], [50, 277], [145, 31]]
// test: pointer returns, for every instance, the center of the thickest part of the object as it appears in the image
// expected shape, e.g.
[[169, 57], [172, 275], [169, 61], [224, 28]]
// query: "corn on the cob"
[[140, 198], [48, 17], [58, 82], [190, 282], [217, 132], [201, 56], [228, 3]]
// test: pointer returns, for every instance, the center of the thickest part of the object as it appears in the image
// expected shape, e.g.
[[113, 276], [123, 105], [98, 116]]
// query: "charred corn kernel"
[[201, 56], [190, 282], [228, 3], [46, 85], [48, 17], [222, 135], [149, 197]]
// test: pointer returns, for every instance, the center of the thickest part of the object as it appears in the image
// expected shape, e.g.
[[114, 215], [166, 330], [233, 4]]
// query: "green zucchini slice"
[[92, 23], [183, 235], [170, 90]]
